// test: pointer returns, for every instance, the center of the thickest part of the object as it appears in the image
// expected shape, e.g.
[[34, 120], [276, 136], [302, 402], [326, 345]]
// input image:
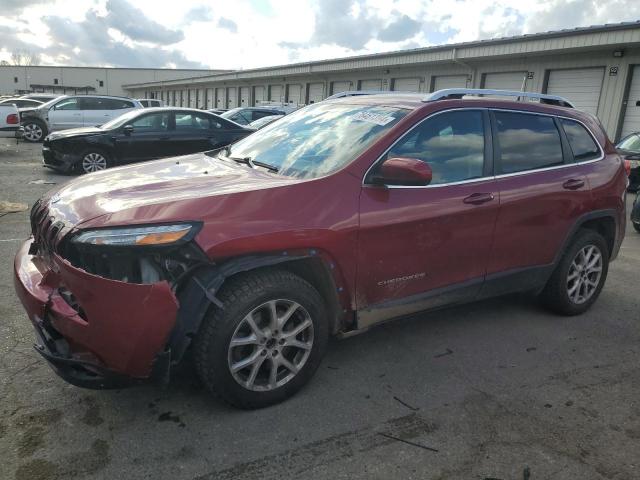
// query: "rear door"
[[542, 193], [199, 132], [423, 246], [67, 113], [99, 110]]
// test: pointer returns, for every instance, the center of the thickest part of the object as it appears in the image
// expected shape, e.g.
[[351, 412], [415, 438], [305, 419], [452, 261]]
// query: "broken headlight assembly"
[[137, 254]]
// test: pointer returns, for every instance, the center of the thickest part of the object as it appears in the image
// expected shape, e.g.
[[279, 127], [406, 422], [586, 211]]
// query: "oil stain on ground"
[[33, 428], [92, 414]]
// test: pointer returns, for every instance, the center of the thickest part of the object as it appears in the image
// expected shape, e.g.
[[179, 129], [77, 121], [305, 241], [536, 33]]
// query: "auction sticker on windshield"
[[376, 118]]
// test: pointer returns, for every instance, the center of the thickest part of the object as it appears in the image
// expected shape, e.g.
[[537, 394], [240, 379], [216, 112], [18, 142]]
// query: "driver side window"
[[452, 143], [68, 104]]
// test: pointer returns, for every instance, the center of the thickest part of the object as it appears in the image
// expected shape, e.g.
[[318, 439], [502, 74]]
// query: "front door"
[[149, 139], [425, 246], [65, 114]]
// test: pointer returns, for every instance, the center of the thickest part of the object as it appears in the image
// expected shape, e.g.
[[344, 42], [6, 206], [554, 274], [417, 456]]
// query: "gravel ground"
[[494, 390]]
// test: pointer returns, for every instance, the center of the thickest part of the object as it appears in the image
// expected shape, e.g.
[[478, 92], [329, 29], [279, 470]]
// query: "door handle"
[[573, 184], [478, 198]]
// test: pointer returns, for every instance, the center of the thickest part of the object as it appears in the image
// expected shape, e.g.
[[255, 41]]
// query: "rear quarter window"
[[581, 142], [527, 142]]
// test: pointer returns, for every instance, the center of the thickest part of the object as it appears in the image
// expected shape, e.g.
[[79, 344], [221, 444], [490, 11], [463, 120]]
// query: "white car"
[[10, 121], [73, 112], [150, 102]]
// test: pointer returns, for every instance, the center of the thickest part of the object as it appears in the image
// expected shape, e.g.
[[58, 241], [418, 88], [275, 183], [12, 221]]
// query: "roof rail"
[[450, 93]]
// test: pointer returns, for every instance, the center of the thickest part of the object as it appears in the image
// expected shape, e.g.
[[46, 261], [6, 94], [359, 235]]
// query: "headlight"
[[154, 235]]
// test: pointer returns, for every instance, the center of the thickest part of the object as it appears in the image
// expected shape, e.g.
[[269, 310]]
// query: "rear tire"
[[579, 277], [34, 131], [238, 347]]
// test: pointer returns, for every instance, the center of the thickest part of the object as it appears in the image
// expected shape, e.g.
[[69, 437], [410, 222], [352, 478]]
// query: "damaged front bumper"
[[95, 332]]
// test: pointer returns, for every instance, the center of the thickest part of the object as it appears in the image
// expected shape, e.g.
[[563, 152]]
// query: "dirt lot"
[[495, 390]]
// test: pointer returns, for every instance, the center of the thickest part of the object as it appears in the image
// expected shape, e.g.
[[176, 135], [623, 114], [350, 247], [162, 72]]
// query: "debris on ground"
[[42, 182], [448, 351], [424, 447], [11, 207], [415, 409]]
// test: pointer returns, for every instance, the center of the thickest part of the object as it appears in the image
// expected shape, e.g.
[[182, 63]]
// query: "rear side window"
[[527, 142], [116, 103], [194, 121], [452, 143], [582, 143]]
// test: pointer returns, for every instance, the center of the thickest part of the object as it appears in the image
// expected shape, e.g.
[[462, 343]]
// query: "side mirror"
[[404, 171], [127, 129]]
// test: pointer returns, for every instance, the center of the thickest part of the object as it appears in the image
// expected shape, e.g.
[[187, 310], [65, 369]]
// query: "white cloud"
[[255, 33]]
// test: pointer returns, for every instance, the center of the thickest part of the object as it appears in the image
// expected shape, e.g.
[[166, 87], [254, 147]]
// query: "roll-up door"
[[505, 81], [441, 82], [185, 98], [406, 85], [275, 93], [631, 122], [244, 96], [232, 97], [294, 95], [582, 86], [316, 92], [221, 101], [210, 98], [337, 87], [375, 85], [193, 98], [258, 95]]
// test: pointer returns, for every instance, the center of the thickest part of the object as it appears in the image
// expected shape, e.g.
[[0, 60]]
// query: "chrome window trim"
[[494, 177]]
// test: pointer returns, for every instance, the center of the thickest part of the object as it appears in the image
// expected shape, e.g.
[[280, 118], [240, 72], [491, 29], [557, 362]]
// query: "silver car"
[[73, 112]]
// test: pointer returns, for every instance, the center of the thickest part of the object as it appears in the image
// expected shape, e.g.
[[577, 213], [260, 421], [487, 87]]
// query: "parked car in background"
[[139, 135], [21, 102], [341, 216], [150, 102], [264, 121], [217, 111], [358, 93], [42, 97], [635, 213], [10, 121], [629, 148], [67, 112], [246, 115]]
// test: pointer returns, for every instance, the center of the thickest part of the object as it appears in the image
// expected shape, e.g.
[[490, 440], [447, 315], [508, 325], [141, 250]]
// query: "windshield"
[[318, 139], [630, 143], [121, 120]]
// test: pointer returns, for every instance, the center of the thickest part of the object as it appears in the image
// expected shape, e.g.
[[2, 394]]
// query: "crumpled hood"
[[149, 192], [74, 132]]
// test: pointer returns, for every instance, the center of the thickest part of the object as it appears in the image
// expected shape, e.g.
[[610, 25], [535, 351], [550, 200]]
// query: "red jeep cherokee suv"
[[342, 215]]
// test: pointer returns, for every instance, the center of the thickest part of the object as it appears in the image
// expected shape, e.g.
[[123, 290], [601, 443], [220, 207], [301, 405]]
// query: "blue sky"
[[244, 34]]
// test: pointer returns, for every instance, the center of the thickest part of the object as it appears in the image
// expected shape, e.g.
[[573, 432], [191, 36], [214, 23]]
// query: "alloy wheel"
[[32, 132], [270, 345], [584, 274], [93, 162]]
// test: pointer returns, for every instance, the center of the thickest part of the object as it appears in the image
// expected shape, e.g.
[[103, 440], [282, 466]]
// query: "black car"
[[629, 148], [137, 136]]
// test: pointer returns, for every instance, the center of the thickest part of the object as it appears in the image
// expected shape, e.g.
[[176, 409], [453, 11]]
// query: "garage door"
[[337, 87], [295, 94], [220, 98], [505, 81], [232, 97], [193, 98], [210, 98], [258, 95], [631, 122], [449, 81], [371, 85], [185, 98], [581, 86], [244, 96], [406, 85], [316, 92], [275, 93]]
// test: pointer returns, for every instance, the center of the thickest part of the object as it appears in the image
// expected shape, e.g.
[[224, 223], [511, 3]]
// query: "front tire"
[[34, 131], [267, 341], [94, 160], [578, 279]]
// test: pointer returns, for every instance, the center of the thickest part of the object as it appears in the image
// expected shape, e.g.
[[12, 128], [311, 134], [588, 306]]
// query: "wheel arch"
[[197, 293], [603, 222]]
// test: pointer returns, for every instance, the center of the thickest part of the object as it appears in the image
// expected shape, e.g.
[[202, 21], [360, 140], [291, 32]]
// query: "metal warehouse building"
[[597, 68], [84, 80]]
